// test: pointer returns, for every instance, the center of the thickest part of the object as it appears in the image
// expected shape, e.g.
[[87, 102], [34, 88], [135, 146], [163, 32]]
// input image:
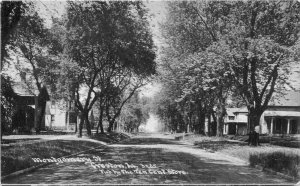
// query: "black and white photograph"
[[150, 92]]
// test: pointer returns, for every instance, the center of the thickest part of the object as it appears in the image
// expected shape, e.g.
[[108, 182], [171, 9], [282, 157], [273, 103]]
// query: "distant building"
[[235, 122]]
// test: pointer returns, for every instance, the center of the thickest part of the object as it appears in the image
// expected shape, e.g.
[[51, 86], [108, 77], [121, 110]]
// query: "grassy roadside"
[[260, 155], [19, 156], [279, 159]]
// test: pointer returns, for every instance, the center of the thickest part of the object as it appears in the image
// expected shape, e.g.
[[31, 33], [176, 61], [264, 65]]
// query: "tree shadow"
[[148, 141]]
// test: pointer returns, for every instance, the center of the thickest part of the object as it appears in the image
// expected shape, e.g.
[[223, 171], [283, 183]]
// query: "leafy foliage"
[[218, 49], [109, 51], [134, 114]]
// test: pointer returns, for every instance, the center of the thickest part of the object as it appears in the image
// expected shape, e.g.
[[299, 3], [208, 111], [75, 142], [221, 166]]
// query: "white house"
[[282, 115], [235, 121], [60, 116]]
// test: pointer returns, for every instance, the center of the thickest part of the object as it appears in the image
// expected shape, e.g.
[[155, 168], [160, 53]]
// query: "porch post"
[[227, 127], [288, 126], [272, 120]]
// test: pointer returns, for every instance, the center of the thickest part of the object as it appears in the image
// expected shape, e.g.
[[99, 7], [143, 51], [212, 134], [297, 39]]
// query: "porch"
[[279, 125], [235, 128]]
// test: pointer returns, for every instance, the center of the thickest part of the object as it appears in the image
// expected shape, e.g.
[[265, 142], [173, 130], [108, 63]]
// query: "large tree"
[[257, 46], [245, 47], [118, 95], [11, 13], [190, 29], [135, 113], [36, 57], [105, 36]]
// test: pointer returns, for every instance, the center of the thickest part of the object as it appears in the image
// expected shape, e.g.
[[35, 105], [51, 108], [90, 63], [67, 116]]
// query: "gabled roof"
[[232, 111], [21, 89], [291, 99]]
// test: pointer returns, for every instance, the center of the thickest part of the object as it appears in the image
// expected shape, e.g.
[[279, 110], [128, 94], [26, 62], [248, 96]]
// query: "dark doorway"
[[280, 126], [231, 129]]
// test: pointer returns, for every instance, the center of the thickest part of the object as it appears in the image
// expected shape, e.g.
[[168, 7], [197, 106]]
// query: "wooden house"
[[282, 116], [235, 121]]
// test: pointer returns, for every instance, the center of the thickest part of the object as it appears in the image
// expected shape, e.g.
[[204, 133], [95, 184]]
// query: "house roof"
[[21, 89], [231, 111], [283, 113], [291, 98]]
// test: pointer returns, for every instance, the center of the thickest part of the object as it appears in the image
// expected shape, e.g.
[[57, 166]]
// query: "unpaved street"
[[149, 159]]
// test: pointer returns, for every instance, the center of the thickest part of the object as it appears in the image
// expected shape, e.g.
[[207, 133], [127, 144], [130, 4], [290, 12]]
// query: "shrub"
[[277, 161], [293, 144]]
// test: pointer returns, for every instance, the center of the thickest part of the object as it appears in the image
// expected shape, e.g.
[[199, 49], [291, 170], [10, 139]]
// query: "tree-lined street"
[[221, 70]]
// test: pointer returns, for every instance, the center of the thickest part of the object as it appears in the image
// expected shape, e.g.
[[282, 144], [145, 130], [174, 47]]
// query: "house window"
[[231, 117], [73, 117], [71, 105], [52, 117], [53, 104]]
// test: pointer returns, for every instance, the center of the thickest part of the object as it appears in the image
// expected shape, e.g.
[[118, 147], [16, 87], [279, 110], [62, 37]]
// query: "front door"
[[232, 129]]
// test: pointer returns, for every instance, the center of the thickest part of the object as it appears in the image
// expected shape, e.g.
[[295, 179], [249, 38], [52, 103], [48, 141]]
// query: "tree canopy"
[[216, 50], [108, 47]]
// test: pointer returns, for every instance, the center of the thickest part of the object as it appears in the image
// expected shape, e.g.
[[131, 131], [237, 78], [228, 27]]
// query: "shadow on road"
[[148, 141]]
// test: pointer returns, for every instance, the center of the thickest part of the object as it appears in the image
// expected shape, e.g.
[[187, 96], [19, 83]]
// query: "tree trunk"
[[76, 126], [115, 126], [80, 126], [100, 120], [209, 125], [87, 124], [40, 117], [201, 122], [220, 125], [254, 118], [110, 126], [186, 122], [100, 124], [214, 123], [221, 111]]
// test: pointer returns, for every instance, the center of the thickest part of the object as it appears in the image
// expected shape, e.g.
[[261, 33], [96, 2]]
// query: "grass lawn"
[[244, 152], [241, 150], [279, 159], [19, 156]]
